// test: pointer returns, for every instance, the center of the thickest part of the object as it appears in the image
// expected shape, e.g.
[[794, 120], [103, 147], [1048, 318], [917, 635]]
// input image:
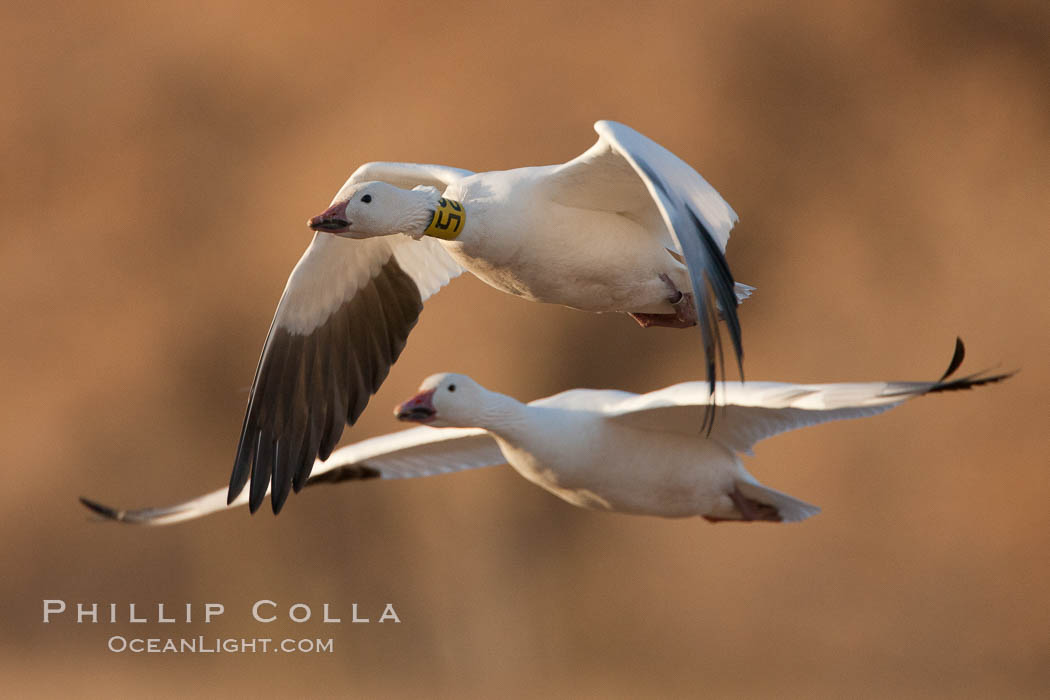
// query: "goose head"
[[369, 209], [444, 401]]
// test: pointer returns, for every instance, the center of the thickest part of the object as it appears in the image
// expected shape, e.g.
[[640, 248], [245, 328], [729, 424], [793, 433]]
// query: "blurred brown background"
[[890, 164]]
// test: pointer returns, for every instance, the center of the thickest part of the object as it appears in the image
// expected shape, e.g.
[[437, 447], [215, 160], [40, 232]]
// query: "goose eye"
[[451, 387], [367, 198]]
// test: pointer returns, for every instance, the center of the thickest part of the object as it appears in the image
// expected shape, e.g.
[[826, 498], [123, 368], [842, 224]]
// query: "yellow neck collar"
[[448, 220]]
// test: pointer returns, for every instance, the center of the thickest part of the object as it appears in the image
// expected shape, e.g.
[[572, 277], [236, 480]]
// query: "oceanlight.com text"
[[216, 645]]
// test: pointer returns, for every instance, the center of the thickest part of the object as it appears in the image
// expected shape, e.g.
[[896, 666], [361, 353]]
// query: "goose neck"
[[503, 415]]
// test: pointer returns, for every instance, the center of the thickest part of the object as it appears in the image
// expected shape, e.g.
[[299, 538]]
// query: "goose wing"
[[341, 323], [752, 411], [415, 452], [628, 173], [407, 175]]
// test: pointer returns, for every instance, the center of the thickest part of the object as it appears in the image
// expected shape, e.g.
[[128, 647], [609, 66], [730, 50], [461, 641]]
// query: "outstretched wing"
[[415, 452], [629, 173], [752, 411], [341, 323]]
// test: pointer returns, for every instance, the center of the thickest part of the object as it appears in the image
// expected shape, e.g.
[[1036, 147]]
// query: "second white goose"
[[603, 450]]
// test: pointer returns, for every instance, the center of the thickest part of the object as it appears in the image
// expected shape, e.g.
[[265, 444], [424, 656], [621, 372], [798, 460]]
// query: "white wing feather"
[[752, 411], [405, 175], [416, 452]]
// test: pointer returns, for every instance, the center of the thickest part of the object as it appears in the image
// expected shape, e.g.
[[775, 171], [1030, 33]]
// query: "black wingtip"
[[99, 509], [961, 383], [978, 379], [278, 498], [957, 359]]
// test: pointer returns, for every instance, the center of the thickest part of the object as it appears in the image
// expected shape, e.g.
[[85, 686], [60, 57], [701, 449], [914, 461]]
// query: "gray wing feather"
[[682, 196], [309, 385]]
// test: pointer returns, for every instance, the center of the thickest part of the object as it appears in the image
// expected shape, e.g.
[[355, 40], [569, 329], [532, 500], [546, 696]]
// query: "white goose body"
[[521, 242], [590, 461], [603, 450]]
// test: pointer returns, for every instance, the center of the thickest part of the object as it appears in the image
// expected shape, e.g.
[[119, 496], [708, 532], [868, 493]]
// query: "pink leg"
[[683, 317], [750, 510]]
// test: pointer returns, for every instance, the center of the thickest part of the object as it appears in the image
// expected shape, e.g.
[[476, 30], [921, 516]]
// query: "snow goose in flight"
[[603, 450], [626, 226]]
